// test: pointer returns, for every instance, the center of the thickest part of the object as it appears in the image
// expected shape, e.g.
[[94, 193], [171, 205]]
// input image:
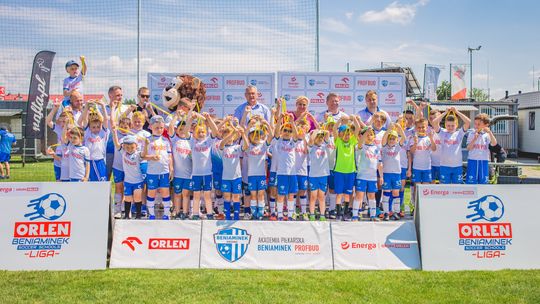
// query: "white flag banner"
[[266, 245], [156, 244], [54, 226], [375, 246]]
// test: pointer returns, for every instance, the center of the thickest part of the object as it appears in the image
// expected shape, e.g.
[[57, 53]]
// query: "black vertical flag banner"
[[38, 95]]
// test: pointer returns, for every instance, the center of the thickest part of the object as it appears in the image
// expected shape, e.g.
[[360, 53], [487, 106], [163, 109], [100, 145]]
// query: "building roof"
[[526, 100], [9, 112]]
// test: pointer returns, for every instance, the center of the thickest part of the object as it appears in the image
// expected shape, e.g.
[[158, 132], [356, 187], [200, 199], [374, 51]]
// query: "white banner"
[[54, 226], [156, 244], [351, 87], [375, 246], [266, 245], [224, 91], [484, 227]]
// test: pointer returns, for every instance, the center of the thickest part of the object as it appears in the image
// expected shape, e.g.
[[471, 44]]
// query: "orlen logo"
[[130, 241], [214, 84], [168, 244], [344, 84], [319, 98], [345, 245]]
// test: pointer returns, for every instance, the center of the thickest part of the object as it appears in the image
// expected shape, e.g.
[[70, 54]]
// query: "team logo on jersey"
[[232, 243]]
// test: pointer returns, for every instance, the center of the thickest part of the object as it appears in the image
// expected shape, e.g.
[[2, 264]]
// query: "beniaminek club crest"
[[232, 243]]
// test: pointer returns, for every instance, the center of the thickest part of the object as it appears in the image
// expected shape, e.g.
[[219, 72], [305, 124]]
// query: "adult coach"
[[251, 107], [372, 107], [115, 99], [332, 109]]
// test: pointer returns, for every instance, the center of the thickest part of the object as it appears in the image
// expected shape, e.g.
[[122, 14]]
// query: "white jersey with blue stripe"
[[200, 153], [422, 154], [256, 159], [367, 161], [231, 155], [451, 155], [78, 157], [132, 167], [301, 162], [391, 158], [96, 143], [318, 160], [285, 151], [158, 145], [182, 161]]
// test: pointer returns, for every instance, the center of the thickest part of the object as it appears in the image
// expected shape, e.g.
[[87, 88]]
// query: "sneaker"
[[305, 217], [339, 217], [332, 214], [374, 219], [165, 217], [195, 218], [247, 216], [118, 215], [386, 218], [280, 218], [220, 217], [401, 214], [294, 216], [152, 217], [2, 177], [312, 217], [209, 216], [273, 217], [355, 219], [395, 217], [322, 218]]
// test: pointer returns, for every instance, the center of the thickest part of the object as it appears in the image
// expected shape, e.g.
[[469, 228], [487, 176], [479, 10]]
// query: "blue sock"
[[227, 210], [236, 206], [247, 210]]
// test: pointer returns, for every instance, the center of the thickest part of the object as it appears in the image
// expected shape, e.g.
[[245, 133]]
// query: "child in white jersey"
[[422, 147], [478, 143], [301, 166], [160, 169], [117, 168], [369, 173], [319, 170], [451, 138], [78, 155], [95, 138], [392, 144]]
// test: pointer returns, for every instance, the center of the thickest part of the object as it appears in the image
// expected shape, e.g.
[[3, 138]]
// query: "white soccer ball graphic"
[[491, 208], [52, 206]]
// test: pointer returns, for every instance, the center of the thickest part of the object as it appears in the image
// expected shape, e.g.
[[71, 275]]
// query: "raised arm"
[[115, 137], [211, 124], [466, 120], [436, 122], [50, 117], [401, 134], [244, 134]]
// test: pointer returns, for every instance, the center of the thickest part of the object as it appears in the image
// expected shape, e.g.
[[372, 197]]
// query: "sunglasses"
[[144, 96], [287, 130]]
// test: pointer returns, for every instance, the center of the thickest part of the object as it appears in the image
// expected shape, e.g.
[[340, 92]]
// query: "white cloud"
[[482, 77], [395, 12], [335, 26], [349, 15]]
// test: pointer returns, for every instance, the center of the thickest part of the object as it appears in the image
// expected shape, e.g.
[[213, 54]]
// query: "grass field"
[[230, 286]]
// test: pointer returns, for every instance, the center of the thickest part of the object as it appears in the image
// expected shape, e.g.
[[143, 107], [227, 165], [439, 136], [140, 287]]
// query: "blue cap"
[[342, 128], [155, 119], [129, 139], [70, 63]]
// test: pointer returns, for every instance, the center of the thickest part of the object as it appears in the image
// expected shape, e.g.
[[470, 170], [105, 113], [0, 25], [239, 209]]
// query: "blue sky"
[[363, 33]]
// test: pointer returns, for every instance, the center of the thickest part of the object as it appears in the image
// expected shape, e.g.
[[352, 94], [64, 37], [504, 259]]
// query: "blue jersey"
[[6, 141]]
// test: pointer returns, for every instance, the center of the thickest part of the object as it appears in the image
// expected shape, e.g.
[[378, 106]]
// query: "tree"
[[130, 101], [479, 95], [444, 91]]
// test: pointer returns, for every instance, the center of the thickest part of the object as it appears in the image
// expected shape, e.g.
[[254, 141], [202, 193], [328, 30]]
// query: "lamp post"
[[470, 65]]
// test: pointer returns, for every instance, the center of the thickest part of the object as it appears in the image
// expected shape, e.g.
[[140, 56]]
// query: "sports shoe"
[[273, 217], [195, 218], [209, 216], [401, 214], [305, 217], [322, 218], [165, 217], [374, 219], [152, 217], [220, 217], [312, 217], [355, 219], [280, 218], [247, 216], [395, 217], [386, 218], [294, 216], [118, 215], [332, 214]]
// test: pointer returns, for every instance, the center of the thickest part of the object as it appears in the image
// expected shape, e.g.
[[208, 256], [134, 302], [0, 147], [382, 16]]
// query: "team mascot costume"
[[182, 86]]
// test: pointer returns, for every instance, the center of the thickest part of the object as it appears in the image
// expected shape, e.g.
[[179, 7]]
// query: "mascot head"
[[184, 86]]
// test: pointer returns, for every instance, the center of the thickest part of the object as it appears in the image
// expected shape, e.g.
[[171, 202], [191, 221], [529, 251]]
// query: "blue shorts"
[[98, 171], [435, 173], [392, 181], [287, 184], [118, 175], [272, 182], [4, 157], [421, 176], [403, 173], [331, 184], [75, 180], [233, 186], [129, 188], [202, 183], [451, 175], [477, 171], [155, 181], [144, 169], [318, 183], [216, 180], [181, 184], [256, 183], [344, 182], [57, 172], [302, 182], [363, 185]]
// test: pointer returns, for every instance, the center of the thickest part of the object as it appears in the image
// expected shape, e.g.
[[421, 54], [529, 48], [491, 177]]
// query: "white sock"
[[303, 204], [150, 206], [385, 199], [372, 208], [118, 203], [291, 208], [396, 204], [219, 202], [261, 205], [355, 207], [280, 209], [272, 204], [167, 207], [253, 203], [332, 201]]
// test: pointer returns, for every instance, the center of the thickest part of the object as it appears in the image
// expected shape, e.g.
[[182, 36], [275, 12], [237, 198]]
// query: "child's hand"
[[57, 103], [409, 173], [84, 179], [156, 157]]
